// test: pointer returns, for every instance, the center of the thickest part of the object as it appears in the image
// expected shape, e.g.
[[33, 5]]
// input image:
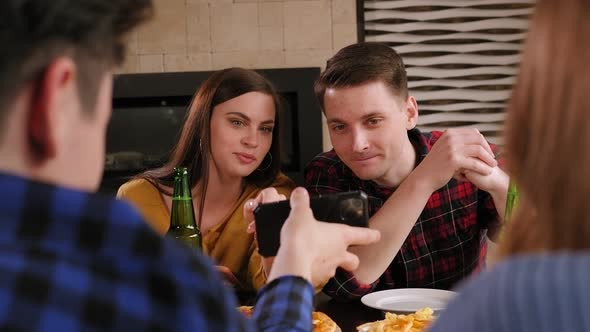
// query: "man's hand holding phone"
[[311, 249], [350, 208]]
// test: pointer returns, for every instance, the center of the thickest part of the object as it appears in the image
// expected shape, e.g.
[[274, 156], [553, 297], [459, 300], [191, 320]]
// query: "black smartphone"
[[349, 208]]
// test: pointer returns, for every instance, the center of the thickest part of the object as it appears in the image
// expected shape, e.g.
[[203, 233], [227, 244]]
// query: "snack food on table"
[[246, 310], [416, 322], [321, 321]]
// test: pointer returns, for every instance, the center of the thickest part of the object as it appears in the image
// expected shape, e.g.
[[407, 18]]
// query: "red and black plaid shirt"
[[446, 244]]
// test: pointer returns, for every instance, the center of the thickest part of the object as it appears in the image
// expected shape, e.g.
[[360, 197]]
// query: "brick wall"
[[194, 35]]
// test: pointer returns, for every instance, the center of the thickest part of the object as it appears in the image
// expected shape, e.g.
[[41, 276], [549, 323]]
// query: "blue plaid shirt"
[[72, 261]]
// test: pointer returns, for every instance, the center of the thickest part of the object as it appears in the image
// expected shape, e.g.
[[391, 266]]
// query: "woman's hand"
[[267, 195]]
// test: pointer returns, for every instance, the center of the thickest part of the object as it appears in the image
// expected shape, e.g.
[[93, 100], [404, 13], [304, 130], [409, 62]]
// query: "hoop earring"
[[267, 166]]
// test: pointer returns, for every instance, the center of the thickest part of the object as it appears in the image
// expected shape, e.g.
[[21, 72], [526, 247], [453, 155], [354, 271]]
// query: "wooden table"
[[348, 315]]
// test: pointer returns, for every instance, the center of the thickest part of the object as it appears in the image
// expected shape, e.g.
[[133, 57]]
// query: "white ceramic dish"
[[408, 300]]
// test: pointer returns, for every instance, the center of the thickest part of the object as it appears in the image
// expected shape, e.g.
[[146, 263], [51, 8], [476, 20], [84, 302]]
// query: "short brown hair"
[[362, 63], [548, 130], [91, 32]]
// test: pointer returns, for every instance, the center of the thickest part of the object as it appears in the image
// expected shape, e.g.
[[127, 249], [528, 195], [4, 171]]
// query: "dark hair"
[[547, 130], [193, 147], [362, 63], [91, 32]]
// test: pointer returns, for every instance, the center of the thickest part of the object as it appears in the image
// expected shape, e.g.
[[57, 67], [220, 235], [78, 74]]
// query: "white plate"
[[408, 300]]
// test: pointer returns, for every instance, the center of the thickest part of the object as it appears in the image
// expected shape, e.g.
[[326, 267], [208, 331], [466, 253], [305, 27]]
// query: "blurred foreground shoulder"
[[526, 293]]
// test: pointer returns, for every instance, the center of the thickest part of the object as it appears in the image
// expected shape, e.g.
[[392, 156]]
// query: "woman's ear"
[[411, 111]]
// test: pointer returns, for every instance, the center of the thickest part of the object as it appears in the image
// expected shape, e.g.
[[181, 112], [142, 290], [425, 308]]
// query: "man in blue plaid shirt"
[[71, 260]]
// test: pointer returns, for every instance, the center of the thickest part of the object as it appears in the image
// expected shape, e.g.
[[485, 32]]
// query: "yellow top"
[[227, 243]]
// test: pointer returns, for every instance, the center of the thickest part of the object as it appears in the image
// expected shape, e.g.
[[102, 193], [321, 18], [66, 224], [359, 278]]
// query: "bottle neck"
[[511, 201], [182, 213], [181, 189]]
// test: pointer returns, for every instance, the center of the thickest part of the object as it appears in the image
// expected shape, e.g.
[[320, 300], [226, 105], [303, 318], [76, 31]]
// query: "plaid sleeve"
[[487, 214], [285, 304], [344, 286]]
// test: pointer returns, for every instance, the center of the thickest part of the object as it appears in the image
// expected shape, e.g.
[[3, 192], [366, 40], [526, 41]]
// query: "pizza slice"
[[321, 321], [246, 310]]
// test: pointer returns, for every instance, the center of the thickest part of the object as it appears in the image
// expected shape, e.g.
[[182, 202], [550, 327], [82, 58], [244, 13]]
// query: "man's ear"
[[411, 110], [50, 95]]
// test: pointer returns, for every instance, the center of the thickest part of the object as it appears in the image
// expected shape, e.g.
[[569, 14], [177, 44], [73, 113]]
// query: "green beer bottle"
[[511, 201], [182, 216]]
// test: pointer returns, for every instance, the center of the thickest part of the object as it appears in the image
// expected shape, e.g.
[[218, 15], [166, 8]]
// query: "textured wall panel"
[[461, 56]]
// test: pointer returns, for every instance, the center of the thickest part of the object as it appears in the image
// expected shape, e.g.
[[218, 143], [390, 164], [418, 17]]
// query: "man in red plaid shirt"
[[433, 196]]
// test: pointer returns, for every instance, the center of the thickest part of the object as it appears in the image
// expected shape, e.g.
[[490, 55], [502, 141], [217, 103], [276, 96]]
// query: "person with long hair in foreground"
[[541, 280]]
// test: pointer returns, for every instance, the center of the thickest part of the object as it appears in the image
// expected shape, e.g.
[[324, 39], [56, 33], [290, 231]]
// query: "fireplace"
[[149, 110]]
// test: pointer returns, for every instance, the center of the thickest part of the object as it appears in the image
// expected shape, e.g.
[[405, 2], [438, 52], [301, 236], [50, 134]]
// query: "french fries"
[[416, 322]]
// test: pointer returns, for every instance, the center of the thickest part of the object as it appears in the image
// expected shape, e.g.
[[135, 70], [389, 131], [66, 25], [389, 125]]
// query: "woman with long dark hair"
[[231, 147]]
